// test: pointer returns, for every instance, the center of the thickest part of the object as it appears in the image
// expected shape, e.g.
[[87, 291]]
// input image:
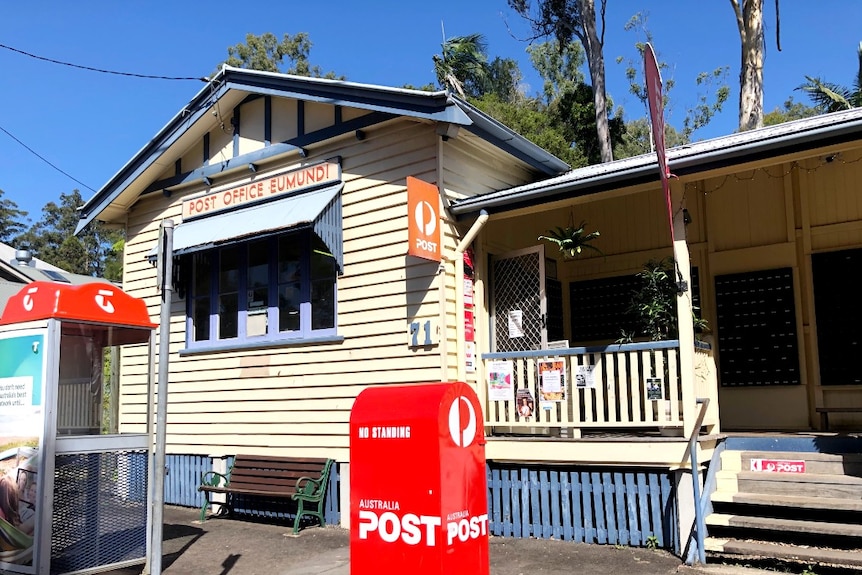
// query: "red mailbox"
[[418, 491]]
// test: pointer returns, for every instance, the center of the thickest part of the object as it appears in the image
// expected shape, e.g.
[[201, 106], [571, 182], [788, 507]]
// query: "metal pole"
[[166, 256]]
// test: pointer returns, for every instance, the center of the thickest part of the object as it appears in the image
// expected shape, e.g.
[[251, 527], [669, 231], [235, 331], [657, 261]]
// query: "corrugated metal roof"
[[771, 141]]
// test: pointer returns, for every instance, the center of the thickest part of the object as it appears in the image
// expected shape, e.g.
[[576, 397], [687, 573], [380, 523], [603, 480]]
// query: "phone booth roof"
[[92, 303]]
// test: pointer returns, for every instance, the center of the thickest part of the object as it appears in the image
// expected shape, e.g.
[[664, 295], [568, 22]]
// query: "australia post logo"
[[462, 422], [385, 521], [423, 201]]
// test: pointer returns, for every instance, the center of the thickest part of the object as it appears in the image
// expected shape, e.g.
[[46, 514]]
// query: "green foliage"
[[559, 69], [10, 220], [91, 253], [832, 97], [712, 88], [463, 65], [574, 112], [653, 304], [268, 54], [790, 111], [531, 118], [652, 542], [637, 139], [571, 240]]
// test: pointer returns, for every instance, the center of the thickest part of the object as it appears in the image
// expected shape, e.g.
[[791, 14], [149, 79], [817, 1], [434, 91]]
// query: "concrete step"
[[804, 484], [803, 555], [792, 501], [818, 463], [846, 530]]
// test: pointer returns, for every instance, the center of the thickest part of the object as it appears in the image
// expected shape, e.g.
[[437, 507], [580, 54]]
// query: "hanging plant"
[[571, 240]]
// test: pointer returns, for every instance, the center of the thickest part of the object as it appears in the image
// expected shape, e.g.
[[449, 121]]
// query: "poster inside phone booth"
[[73, 492], [418, 489], [22, 426]]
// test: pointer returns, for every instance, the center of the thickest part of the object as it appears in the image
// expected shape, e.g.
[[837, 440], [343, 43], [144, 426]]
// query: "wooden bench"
[[825, 411], [302, 479]]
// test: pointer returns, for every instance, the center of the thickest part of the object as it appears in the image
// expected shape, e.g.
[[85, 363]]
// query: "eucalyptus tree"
[[566, 20], [269, 54], [749, 22]]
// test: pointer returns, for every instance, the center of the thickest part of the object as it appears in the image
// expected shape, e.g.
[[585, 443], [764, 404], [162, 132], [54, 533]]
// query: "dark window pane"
[[202, 275], [228, 310], [201, 319], [258, 275], [228, 270], [289, 300], [322, 305], [289, 261], [837, 276]]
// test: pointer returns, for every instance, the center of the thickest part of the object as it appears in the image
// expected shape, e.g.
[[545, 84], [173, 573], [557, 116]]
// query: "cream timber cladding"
[[299, 397]]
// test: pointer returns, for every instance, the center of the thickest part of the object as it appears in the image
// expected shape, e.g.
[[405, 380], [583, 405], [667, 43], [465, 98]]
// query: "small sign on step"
[[778, 465]]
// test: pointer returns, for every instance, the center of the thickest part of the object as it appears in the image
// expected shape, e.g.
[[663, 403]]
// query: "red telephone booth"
[[418, 489], [80, 491]]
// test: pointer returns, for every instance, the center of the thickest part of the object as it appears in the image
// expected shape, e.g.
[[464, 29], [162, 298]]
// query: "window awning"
[[319, 209]]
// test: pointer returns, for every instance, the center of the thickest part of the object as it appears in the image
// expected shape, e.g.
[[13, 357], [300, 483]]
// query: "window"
[[276, 288]]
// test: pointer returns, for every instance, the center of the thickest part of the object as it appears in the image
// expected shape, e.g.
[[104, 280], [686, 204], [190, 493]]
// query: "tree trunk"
[[596, 62], [749, 21]]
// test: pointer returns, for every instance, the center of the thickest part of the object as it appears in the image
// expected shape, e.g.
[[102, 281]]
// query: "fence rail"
[[632, 386]]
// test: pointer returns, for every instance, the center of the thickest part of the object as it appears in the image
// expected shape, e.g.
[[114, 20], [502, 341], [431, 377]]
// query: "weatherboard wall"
[[296, 399]]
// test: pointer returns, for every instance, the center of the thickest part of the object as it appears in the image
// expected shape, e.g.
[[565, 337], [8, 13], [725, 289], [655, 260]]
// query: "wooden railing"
[[621, 386]]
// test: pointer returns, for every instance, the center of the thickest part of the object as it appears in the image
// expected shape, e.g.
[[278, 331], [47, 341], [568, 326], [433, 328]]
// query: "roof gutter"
[[685, 160]]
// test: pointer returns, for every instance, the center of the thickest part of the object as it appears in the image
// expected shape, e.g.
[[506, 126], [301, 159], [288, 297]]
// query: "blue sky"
[[90, 124]]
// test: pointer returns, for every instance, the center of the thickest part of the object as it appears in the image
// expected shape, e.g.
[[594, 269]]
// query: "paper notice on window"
[[516, 323]]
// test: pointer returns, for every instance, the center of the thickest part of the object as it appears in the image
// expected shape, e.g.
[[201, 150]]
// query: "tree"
[[566, 20], [10, 220], [789, 111], [93, 252], [531, 118], [268, 54], [749, 22], [463, 65], [569, 99], [712, 93], [831, 97]]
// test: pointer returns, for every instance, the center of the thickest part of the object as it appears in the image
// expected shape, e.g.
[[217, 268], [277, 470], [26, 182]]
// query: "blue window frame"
[[269, 289]]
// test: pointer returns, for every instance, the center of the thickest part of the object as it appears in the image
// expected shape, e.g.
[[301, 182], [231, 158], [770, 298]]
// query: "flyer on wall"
[[500, 387], [552, 380], [22, 392], [584, 377]]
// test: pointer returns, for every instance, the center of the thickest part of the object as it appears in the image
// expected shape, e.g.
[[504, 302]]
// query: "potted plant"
[[571, 240], [653, 310]]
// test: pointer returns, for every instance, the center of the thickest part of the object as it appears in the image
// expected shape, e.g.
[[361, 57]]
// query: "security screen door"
[[519, 306]]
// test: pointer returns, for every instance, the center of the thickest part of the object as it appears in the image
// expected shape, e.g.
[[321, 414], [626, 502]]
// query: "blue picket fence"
[[607, 506], [613, 506]]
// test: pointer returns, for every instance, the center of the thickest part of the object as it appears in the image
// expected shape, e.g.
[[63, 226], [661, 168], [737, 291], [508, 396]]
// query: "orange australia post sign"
[[423, 201]]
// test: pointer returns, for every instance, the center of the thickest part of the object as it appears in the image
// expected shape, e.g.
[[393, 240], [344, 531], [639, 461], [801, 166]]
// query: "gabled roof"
[[699, 157], [232, 85]]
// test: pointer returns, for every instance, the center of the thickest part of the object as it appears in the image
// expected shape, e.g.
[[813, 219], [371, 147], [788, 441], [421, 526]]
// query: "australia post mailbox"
[[418, 493]]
